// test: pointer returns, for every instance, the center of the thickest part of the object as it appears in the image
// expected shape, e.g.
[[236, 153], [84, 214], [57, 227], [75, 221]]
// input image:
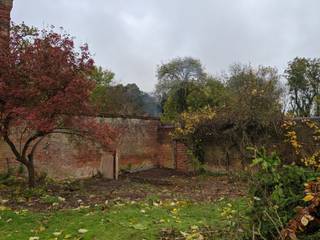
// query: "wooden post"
[[174, 154]]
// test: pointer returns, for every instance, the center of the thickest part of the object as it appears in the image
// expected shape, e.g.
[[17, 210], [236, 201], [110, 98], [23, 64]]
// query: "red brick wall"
[[166, 152], [182, 159], [139, 146], [5, 9], [144, 144], [60, 157]]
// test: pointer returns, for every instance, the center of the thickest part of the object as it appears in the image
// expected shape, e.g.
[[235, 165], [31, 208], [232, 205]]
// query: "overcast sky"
[[131, 37]]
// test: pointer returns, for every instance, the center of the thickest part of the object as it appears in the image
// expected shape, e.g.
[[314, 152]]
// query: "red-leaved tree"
[[45, 89]]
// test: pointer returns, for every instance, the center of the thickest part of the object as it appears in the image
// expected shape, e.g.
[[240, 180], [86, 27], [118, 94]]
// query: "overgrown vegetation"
[[286, 197], [245, 111], [276, 190]]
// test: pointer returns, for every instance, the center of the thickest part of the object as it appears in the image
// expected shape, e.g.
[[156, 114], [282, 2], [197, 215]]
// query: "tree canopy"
[[238, 109], [176, 73], [303, 75], [44, 86]]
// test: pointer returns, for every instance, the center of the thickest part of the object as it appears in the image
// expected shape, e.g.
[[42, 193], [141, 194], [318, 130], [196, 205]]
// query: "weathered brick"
[[144, 144], [5, 9]]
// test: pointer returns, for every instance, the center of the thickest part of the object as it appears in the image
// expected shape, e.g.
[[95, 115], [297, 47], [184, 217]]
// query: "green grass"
[[143, 220]]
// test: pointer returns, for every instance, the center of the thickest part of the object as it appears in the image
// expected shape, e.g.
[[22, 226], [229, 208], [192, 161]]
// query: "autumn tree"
[[255, 95], [303, 75], [45, 89]]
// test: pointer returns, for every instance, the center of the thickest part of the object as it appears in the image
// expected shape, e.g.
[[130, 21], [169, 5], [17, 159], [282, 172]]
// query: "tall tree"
[[176, 76], [303, 77], [45, 89], [256, 94]]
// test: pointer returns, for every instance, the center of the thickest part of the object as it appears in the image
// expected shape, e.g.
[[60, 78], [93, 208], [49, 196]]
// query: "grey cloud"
[[132, 37]]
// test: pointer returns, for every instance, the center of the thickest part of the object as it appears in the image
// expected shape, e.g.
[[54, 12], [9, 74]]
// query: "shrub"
[[276, 191]]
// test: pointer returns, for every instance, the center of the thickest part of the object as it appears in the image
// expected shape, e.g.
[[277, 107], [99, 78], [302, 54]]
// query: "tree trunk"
[[31, 174]]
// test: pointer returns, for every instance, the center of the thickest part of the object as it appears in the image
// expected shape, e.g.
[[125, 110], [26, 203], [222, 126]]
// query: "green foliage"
[[176, 71], [21, 169], [118, 99], [196, 163], [176, 80], [255, 96], [102, 77], [276, 190], [247, 109], [213, 93], [49, 199], [251, 95], [315, 236], [124, 100], [192, 96], [267, 163], [4, 177], [303, 75], [34, 192]]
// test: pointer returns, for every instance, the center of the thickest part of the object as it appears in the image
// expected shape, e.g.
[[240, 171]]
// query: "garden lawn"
[[127, 220]]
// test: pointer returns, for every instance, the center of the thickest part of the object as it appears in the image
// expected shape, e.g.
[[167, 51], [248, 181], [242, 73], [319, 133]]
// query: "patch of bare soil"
[[155, 183]]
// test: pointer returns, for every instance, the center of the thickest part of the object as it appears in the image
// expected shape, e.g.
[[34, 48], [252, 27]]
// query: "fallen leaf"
[[68, 236], [308, 198], [57, 234], [82, 230], [34, 238], [139, 226], [304, 221]]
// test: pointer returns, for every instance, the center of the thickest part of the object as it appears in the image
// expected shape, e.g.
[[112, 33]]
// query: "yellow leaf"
[[304, 221], [308, 198]]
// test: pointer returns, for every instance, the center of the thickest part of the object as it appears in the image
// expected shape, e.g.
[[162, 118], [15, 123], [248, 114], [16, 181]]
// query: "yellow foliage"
[[308, 198], [291, 135], [292, 138], [313, 160], [191, 120]]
